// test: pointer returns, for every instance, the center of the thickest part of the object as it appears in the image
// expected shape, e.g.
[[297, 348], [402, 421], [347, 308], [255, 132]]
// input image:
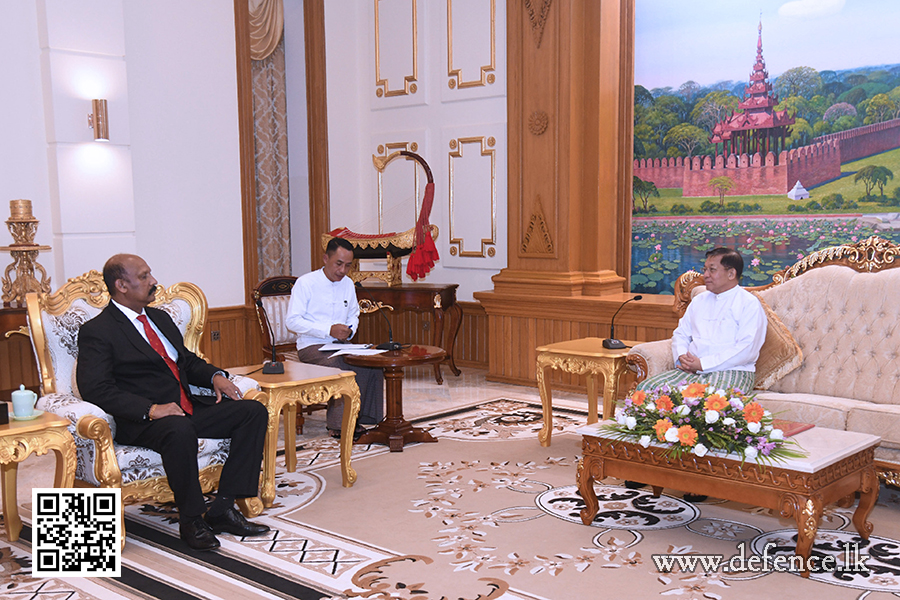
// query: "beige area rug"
[[484, 513]]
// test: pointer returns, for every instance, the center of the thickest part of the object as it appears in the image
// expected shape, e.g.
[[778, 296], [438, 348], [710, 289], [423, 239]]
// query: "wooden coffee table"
[[394, 430], [18, 440], [302, 384], [839, 463]]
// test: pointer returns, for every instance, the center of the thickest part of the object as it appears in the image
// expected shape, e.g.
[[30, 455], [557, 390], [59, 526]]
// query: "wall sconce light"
[[98, 120]]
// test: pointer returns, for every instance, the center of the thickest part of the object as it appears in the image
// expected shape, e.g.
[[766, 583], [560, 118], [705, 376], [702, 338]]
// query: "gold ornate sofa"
[[54, 321], [841, 306]]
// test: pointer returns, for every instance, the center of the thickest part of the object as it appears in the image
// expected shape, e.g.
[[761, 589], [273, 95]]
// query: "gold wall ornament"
[[388, 153], [484, 76], [381, 83], [537, 122], [538, 18], [457, 146], [23, 227], [537, 238]]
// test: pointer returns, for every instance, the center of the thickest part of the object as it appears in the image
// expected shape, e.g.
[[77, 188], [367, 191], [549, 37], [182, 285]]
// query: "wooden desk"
[[838, 464], [302, 384], [18, 440], [439, 298], [586, 356], [394, 430]]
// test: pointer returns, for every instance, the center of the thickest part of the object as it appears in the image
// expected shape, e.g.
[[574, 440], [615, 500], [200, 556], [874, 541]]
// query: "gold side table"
[[18, 440], [585, 356], [302, 384]]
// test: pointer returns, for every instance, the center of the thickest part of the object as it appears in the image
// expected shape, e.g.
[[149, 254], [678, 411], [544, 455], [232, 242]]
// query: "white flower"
[[721, 393], [683, 410], [630, 422], [776, 434], [672, 434], [736, 404], [620, 418], [650, 406], [728, 421], [753, 427], [767, 413], [768, 428], [645, 441], [711, 416], [750, 452], [700, 450]]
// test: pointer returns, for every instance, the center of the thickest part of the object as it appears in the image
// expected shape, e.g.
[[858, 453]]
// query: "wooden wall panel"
[[239, 337]]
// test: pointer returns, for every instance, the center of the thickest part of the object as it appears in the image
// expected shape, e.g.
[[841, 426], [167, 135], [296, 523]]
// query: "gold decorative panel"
[[457, 244], [387, 153], [485, 74], [382, 88]]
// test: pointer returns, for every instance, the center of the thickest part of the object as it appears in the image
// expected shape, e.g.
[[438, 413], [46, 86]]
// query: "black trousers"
[[175, 438]]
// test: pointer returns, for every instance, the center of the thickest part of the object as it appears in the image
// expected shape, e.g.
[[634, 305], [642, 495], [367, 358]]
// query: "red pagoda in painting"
[[759, 128]]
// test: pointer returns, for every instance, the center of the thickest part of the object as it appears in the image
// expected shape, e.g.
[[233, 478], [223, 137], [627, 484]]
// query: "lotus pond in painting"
[[663, 249]]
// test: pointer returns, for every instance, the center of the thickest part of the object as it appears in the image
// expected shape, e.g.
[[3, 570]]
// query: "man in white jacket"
[[323, 309]]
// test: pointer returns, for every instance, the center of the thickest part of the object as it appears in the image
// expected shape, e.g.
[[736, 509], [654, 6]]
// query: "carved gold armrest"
[[106, 467], [650, 358]]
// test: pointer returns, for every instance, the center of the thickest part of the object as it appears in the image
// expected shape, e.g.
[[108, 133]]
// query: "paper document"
[[336, 346], [357, 351]]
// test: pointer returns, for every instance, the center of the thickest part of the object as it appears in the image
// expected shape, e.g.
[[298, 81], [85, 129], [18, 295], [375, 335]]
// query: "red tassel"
[[424, 255]]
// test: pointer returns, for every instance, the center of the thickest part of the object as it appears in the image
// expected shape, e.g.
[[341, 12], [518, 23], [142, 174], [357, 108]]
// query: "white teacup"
[[23, 402]]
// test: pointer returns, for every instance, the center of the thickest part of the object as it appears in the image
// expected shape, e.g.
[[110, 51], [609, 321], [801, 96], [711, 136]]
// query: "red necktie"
[[157, 344]]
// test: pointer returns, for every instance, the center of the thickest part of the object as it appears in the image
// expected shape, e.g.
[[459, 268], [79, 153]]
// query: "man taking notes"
[[323, 309]]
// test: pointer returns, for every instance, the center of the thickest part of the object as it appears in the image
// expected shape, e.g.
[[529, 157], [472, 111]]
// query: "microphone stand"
[[611, 343], [390, 344], [274, 367]]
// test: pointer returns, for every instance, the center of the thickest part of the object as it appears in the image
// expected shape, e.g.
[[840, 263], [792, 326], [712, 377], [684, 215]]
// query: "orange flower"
[[687, 435], [638, 397], [753, 412], [715, 402], [664, 404], [694, 390], [661, 427]]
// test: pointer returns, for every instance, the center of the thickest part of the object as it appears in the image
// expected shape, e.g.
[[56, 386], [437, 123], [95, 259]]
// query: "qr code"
[[76, 532]]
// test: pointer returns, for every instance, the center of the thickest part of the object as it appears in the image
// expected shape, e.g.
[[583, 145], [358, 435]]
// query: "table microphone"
[[274, 367], [390, 344], [611, 342]]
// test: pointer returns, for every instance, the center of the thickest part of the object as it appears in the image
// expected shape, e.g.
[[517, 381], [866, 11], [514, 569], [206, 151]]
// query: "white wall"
[[167, 185], [432, 117]]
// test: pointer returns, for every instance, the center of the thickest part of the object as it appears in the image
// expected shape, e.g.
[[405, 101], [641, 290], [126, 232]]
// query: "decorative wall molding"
[[386, 154], [485, 74], [537, 239], [457, 244], [538, 18], [382, 88], [537, 122]]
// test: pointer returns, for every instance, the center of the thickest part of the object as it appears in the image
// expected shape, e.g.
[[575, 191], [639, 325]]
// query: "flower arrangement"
[[693, 418]]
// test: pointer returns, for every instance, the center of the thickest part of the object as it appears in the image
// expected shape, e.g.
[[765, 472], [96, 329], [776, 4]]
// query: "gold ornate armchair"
[[54, 321]]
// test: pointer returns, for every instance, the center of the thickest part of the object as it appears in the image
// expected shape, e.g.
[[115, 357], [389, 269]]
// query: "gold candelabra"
[[23, 226]]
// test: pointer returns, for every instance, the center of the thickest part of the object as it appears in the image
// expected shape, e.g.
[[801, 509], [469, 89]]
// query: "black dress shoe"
[[634, 485], [197, 534], [233, 522], [694, 498], [357, 433]]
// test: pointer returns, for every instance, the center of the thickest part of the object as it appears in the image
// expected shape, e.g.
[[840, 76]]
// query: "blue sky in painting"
[[713, 40]]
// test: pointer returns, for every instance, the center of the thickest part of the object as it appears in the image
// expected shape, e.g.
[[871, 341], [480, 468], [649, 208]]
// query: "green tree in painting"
[[799, 81], [873, 176], [801, 133], [879, 108], [643, 190], [712, 108], [687, 137], [721, 185]]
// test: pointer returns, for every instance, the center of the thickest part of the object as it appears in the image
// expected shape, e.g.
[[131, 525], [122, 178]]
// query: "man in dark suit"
[[132, 363]]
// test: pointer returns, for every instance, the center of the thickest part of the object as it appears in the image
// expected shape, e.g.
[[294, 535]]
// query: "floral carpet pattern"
[[485, 513]]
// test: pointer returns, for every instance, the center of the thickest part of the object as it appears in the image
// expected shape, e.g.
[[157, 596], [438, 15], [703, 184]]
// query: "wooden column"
[[570, 111]]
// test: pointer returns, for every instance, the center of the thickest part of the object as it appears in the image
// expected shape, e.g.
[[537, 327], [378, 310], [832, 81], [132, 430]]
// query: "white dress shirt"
[[133, 317], [724, 330], [316, 304]]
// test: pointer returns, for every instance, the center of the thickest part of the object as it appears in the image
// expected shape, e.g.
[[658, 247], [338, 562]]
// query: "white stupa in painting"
[[798, 192]]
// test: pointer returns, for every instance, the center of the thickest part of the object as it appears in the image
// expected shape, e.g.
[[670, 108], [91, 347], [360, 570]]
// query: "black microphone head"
[[357, 284], [638, 297]]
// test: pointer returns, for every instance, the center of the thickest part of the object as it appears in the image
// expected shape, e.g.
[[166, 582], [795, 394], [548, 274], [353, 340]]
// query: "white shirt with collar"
[[133, 318], [726, 330], [316, 304]]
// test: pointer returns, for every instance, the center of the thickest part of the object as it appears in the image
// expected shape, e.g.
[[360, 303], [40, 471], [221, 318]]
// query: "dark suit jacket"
[[122, 374]]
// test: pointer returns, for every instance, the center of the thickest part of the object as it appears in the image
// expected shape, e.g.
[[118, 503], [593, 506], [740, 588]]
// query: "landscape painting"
[[771, 127]]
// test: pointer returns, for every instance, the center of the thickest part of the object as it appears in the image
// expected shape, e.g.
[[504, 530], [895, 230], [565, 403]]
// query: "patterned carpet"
[[485, 513]]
